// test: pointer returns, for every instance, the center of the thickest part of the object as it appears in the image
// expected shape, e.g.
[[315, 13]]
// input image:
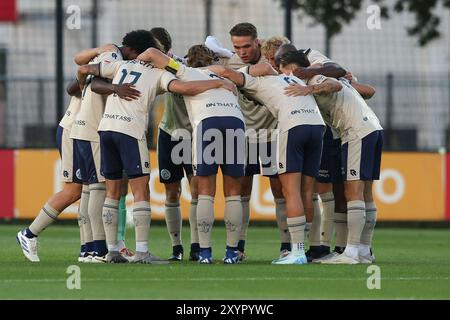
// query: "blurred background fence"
[[38, 40]]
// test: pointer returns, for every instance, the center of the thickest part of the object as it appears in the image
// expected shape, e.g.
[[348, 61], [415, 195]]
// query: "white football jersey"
[[256, 116], [290, 111], [71, 113], [315, 57], [92, 104], [211, 103], [346, 111], [131, 117]]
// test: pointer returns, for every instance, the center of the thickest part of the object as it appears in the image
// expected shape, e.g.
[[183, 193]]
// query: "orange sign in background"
[[412, 187]]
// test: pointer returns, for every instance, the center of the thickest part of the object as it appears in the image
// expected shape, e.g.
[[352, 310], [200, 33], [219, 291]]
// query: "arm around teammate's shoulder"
[[192, 88]]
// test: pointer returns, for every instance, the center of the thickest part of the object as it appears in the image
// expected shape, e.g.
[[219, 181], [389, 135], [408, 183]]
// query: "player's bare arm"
[[225, 72], [192, 88], [125, 91], [262, 69], [84, 56], [86, 70], [155, 57], [328, 86], [73, 88], [329, 69], [364, 90]]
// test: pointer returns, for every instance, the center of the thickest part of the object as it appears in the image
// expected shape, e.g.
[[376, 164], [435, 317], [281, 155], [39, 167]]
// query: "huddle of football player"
[[265, 107]]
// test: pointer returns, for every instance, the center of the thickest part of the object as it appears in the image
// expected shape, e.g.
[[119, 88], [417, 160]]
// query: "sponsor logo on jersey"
[[353, 172], [303, 111], [116, 117]]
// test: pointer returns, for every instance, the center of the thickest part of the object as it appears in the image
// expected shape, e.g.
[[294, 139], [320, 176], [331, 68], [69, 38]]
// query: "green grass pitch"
[[414, 264]]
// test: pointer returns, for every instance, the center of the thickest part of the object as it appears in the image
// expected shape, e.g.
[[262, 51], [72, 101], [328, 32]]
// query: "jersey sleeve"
[[108, 70], [315, 57], [109, 57], [317, 79], [250, 83], [165, 80]]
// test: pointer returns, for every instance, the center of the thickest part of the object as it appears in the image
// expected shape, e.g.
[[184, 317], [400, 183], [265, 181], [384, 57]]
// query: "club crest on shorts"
[[165, 174], [78, 174]]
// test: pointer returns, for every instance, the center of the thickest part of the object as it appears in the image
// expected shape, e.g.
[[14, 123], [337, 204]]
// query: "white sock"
[[364, 250], [142, 246], [314, 233], [352, 251], [296, 227], [356, 218], [327, 219], [173, 222]]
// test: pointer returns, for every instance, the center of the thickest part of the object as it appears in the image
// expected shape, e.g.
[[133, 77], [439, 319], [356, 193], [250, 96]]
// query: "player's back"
[[290, 111], [211, 103], [131, 117], [347, 112], [92, 104]]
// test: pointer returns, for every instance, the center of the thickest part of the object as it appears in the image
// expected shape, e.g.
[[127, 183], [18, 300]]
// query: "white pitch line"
[[224, 279]]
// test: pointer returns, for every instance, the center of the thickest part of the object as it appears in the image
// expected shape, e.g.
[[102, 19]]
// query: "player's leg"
[[27, 238], [374, 160], [205, 214], [340, 217], [312, 153], [173, 218], [233, 170], [280, 214], [269, 165], [70, 193], [232, 216], [325, 191], [186, 153], [170, 175], [296, 220], [71, 159], [291, 151], [252, 168], [86, 224], [247, 183], [126, 252], [97, 192], [353, 161], [195, 242], [324, 187], [365, 252], [112, 169], [82, 242], [135, 161], [205, 168]]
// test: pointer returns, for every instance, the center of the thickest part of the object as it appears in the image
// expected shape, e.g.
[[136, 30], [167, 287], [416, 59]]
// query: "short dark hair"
[[163, 36], [281, 50], [298, 57], [244, 29], [139, 40]]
